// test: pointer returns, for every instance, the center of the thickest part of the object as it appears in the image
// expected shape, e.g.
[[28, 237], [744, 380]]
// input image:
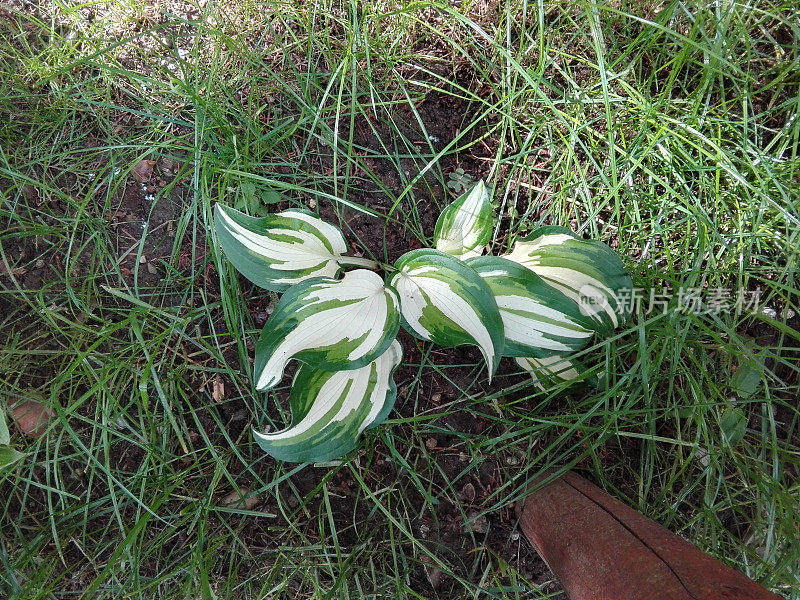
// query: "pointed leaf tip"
[[587, 271], [445, 301], [328, 324], [283, 249], [538, 320], [465, 226], [554, 370], [330, 409]]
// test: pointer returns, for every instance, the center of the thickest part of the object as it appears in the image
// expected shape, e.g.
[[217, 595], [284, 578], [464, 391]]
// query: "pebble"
[[240, 498], [477, 523], [769, 312]]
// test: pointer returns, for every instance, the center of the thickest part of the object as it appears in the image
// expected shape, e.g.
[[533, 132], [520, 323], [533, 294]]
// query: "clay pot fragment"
[[601, 549]]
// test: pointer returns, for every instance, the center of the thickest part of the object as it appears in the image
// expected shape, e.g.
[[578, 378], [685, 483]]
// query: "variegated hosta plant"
[[538, 304]]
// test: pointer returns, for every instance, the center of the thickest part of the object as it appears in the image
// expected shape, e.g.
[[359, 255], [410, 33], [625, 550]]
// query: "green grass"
[[672, 135]]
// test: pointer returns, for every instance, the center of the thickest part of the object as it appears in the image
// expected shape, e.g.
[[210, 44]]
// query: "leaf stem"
[[357, 261]]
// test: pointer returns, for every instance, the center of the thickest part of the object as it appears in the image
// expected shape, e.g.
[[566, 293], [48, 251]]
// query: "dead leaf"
[[218, 389], [435, 576], [16, 271], [143, 170], [32, 417], [468, 493]]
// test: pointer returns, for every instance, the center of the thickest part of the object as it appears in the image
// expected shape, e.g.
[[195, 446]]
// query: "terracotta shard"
[[601, 549], [32, 417]]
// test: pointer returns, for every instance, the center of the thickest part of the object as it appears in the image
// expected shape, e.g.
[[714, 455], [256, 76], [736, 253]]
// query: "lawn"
[[669, 130]]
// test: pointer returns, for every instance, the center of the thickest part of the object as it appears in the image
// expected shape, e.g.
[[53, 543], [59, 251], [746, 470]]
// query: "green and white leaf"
[[9, 456], [445, 301], [329, 324], [330, 409], [283, 249], [538, 319], [465, 226], [551, 371], [587, 271]]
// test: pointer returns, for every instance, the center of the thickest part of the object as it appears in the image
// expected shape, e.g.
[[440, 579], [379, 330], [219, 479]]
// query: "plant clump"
[[539, 304]]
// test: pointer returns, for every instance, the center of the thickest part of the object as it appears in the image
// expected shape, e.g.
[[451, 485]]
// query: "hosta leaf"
[[329, 324], [9, 456], [538, 319], [587, 271], [279, 250], [330, 409], [548, 372], [465, 226], [445, 301]]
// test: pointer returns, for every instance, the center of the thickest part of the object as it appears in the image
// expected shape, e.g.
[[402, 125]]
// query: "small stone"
[[431, 443], [478, 523], [240, 498], [142, 259], [770, 312]]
